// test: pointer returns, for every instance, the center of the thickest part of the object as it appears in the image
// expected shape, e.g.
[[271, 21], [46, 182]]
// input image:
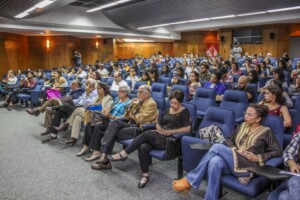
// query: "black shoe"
[[49, 138], [142, 185], [45, 133], [71, 141]]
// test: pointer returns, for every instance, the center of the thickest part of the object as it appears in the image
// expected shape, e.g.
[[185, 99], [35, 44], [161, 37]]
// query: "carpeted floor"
[[30, 170]]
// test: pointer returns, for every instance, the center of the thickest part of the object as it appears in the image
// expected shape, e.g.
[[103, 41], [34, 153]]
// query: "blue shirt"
[[118, 108]]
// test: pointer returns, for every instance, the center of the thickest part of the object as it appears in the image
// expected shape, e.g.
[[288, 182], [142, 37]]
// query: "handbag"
[[212, 134], [51, 93], [172, 148]]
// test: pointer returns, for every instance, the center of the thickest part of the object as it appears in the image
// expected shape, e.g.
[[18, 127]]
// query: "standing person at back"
[[77, 58]]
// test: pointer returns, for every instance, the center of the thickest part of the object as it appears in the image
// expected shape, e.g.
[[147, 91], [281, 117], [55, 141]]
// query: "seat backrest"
[[223, 118], [184, 89], [161, 106], [295, 115], [275, 123], [204, 98], [235, 100], [113, 94], [165, 80], [183, 81], [129, 82], [159, 90], [103, 79], [236, 78], [110, 81], [39, 85], [227, 85], [254, 88], [193, 112]]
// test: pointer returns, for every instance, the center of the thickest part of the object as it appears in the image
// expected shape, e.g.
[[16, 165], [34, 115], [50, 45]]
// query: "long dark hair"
[[275, 90]]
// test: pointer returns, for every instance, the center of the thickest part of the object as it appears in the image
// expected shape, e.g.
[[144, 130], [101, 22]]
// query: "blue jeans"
[[288, 190], [217, 161]]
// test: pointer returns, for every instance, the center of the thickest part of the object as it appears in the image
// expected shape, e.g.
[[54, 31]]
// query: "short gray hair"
[[93, 82], [125, 88], [147, 88]]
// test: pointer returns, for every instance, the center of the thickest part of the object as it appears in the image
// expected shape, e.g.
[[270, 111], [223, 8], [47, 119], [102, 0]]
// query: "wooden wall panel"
[[194, 42], [130, 49]]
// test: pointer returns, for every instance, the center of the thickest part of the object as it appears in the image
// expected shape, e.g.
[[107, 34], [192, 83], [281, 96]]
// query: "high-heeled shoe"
[[82, 152], [121, 158], [181, 185], [62, 127], [71, 141]]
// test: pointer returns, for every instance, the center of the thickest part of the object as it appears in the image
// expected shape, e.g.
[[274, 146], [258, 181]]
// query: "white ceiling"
[[65, 19]]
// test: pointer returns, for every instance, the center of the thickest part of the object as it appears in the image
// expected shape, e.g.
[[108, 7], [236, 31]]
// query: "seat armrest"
[[180, 135], [201, 146], [270, 172], [275, 161], [148, 127]]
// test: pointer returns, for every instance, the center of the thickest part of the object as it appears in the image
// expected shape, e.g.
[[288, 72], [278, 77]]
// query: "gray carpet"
[[31, 170]]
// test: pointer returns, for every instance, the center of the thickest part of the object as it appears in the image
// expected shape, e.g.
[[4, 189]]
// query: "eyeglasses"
[[140, 91], [249, 114], [174, 102], [121, 91]]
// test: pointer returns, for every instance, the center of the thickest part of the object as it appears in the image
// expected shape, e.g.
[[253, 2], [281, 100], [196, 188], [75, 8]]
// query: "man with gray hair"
[[142, 110], [64, 111]]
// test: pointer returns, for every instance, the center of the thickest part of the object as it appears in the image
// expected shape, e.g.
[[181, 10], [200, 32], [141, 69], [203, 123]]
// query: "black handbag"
[[172, 148]]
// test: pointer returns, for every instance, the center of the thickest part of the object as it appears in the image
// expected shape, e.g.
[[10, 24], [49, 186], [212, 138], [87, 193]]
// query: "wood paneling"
[[194, 42], [130, 49]]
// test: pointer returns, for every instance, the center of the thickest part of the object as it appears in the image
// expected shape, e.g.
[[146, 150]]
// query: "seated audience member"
[[75, 93], [165, 72], [9, 80], [277, 75], [257, 68], [59, 82], [235, 69], [104, 99], [193, 83], [215, 84], [103, 72], [251, 145], [282, 65], [247, 65], [285, 57], [288, 101], [153, 76], [180, 72], [215, 66], [294, 89], [95, 129], [65, 111], [190, 68], [118, 81], [146, 78], [95, 75], [81, 74], [204, 74], [242, 84], [253, 77], [132, 77], [72, 72], [175, 120], [226, 78], [275, 102], [289, 189], [28, 82], [142, 110], [266, 69], [296, 72]]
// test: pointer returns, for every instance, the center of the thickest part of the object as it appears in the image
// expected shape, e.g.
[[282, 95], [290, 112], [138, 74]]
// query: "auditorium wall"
[[18, 51]]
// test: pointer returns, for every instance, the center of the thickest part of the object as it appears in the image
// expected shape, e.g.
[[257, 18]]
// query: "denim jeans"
[[217, 161], [288, 190]]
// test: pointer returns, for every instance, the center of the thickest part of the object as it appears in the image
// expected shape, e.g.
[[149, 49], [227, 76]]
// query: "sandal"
[[143, 184], [121, 158]]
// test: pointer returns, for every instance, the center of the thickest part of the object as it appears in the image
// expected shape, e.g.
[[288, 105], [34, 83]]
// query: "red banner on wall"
[[212, 48]]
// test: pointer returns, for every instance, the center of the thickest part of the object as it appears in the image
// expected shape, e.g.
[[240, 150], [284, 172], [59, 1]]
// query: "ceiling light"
[[44, 3], [199, 20], [98, 36], [284, 9], [21, 15], [254, 13], [39, 5], [42, 33], [107, 5], [223, 17], [153, 26], [136, 40]]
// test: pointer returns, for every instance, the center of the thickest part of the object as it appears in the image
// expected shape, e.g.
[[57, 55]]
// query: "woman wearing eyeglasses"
[[251, 145], [176, 120]]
